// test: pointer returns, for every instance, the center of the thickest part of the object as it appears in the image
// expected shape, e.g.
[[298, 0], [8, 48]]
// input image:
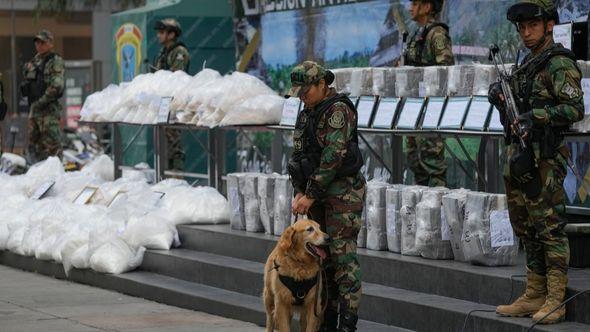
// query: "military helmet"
[[529, 9], [169, 24]]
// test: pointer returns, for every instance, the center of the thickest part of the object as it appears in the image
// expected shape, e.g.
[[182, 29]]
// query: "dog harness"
[[299, 289]]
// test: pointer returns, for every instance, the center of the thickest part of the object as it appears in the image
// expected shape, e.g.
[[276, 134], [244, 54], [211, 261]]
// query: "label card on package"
[[42, 190], [444, 226], [478, 113], [164, 111], [562, 33], [364, 108], [234, 201], [117, 199], [390, 220], [454, 112], [586, 90], [85, 195], [290, 111], [385, 113], [156, 197], [434, 109], [500, 229], [495, 124], [410, 113]]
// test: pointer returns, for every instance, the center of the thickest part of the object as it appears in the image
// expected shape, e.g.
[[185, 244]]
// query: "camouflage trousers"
[[426, 158], [539, 222], [175, 149], [45, 136], [340, 218]]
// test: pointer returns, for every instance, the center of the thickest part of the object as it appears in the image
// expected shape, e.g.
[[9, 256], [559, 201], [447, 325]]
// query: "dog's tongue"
[[320, 251]]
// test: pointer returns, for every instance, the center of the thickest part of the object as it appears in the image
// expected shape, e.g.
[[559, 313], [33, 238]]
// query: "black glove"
[[494, 93], [525, 120]]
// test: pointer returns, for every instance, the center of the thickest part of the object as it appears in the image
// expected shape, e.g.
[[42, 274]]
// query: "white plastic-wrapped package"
[[116, 257], [410, 198], [435, 81], [102, 167], [342, 79], [80, 258], [488, 238], [407, 81], [361, 240], [4, 234], [431, 242], [393, 202], [100, 106], [236, 201], [70, 250], [376, 224], [379, 81], [70, 184], [461, 79], [249, 189], [282, 204], [484, 75], [152, 231], [266, 191], [256, 110], [182, 98], [361, 81], [48, 169], [453, 213]]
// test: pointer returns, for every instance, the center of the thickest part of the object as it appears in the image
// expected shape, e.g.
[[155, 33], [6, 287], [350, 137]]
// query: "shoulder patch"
[[570, 91], [336, 120], [180, 57]]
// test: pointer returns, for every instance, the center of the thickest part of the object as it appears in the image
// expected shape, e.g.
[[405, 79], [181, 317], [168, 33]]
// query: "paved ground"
[[32, 302]]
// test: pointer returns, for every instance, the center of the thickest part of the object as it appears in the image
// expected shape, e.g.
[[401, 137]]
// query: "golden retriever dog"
[[292, 278]]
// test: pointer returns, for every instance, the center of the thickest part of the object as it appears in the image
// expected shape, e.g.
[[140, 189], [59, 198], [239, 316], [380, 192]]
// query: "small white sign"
[[433, 111], [410, 113], [478, 113], [586, 90], [495, 124], [42, 190], [156, 197], [385, 113], [85, 195], [501, 229], [444, 226], [454, 112], [290, 111], [390, 220], [562, 33], [364, 110], [164, 112]]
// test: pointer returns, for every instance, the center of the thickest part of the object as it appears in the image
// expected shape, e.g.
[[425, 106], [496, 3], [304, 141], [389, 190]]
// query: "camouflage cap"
[[436, 4], [304, 75], [529, 9], [44, 36], [169, 24]]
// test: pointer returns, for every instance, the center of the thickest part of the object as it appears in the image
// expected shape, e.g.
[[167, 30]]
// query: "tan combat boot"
[[556, 285], [530, 302]]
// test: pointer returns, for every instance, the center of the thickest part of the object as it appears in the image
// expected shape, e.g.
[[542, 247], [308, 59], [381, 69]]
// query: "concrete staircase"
[[220, 271]]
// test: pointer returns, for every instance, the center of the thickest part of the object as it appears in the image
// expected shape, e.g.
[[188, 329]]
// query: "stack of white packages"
[[454, 215], [342, 79], [393, 198], [376, 209], [432, 236], [435, 81], [411, 196], [407, 81], [282, 204], [461, 79], [384, 82], [361, 82], [249, 190], [109, 234], [266, 197], [236, 201], [488, 238], [483, 76]]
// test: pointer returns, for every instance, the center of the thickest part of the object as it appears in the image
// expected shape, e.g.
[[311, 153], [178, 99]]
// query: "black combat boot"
[[347, 321], [330, 321]]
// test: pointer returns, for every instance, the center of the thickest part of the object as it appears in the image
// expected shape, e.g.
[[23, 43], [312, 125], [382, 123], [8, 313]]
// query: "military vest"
[[307, 146], [36, 80], [415, 52], [161, 62]]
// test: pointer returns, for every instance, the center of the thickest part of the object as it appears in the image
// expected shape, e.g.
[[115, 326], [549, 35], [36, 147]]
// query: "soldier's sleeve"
[[441, 46], [334, 131], [567, 88], [55, 81], [179, 59]]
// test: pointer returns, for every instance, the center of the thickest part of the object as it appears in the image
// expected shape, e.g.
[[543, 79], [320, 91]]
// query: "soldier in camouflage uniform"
[[43, 86], [429, 45], [547, 89], [329, 188], [173, 56]]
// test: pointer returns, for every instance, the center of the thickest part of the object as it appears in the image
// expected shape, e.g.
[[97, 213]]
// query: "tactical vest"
[[308, 150], [162, 59], [37, 87], [416, 46], [524, 80]]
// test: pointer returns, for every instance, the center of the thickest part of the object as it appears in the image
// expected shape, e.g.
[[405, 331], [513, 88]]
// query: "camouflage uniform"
[[338, 189], [45, 113], [430, 45], [173, 58], [554, 102]]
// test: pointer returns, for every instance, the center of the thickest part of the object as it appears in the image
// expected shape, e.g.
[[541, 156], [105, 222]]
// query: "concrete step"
[[458, 280], [408, 309]]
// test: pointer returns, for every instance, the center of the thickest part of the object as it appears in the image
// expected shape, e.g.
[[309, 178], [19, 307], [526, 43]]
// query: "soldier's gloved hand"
[[525, 120], [495, 95]]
